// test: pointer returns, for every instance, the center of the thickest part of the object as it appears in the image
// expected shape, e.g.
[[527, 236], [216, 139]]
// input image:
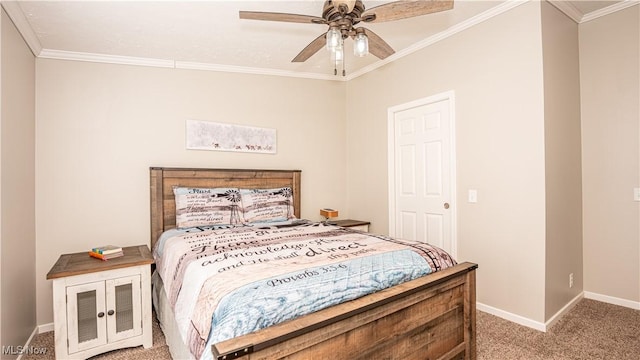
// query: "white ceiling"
[[209, 34]]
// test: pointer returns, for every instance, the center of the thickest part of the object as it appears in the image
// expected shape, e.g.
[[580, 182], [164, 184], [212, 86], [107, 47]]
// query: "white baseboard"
[[612, 300], [526, 321], [512, 317], [565, 309], [45, 328], [557, 316]]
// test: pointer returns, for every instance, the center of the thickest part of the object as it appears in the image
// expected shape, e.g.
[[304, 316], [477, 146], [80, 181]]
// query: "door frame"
[[447, 95]]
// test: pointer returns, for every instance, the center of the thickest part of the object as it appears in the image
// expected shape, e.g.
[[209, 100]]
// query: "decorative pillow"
[[202, 206], [267, 205]]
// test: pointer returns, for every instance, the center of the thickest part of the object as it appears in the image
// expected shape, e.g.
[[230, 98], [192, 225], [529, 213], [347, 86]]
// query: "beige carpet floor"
[[591, 330]]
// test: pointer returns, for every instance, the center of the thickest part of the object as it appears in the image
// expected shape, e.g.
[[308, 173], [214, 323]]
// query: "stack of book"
[[106, 252]]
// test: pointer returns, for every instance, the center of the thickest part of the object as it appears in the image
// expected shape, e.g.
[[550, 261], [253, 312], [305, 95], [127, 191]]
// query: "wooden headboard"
[[163, 207]]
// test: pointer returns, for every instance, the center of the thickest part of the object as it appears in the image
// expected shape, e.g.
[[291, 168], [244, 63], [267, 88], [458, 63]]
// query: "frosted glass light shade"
[[333, 39], [361, 45]]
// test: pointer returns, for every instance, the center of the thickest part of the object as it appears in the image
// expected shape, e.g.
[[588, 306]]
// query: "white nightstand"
[[100, 305], [354, 224]]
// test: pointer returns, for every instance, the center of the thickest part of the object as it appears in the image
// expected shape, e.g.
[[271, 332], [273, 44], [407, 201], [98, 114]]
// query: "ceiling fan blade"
[[377, 46], [271, 16], [311, 49], [397, 10]]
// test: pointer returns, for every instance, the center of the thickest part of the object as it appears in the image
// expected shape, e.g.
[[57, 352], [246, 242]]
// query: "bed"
[[429, 317]]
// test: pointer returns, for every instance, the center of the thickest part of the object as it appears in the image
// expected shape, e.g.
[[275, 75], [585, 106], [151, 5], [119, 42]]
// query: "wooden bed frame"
[[432, 317]]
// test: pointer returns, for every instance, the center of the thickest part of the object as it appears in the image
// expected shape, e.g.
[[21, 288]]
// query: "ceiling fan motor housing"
[[335, 10], [337, 14], [346, 5]]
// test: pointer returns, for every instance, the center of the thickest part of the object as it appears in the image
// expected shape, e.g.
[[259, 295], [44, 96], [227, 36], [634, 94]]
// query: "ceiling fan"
[[343, 15]]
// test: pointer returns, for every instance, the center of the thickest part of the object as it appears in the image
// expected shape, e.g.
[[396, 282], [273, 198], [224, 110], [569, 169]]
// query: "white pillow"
[[203, 206], [267, 205]]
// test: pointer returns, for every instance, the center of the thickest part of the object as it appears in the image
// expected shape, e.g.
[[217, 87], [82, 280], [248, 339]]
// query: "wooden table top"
[[81, 263], [348, 222]]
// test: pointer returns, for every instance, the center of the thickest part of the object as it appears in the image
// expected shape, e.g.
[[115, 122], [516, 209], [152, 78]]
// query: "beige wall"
[[563, 247], [100, 128], [17, 188], [609, 70], [497, 78]]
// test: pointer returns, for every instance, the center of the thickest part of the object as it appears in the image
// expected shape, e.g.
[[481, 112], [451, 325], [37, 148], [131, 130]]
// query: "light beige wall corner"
[[563, 175], [496, 75], [610, 81], [100, 127], [17, 188]]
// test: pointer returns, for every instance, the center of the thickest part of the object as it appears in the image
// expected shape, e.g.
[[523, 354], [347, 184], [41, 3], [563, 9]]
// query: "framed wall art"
[[207, 135]]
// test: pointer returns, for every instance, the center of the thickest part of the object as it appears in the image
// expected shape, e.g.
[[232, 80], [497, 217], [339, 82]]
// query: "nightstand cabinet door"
[[86, 319], [124, 315], [103, 312]]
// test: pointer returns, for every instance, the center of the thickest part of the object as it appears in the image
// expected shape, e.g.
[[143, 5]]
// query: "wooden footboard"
[[433, 317]]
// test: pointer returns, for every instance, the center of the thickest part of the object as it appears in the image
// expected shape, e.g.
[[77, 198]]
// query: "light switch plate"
[[473, 195], [636, 194]]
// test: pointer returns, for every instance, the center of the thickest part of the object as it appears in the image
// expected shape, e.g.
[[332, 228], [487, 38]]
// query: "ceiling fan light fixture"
[[343, 15], [334, 37], [361, 44]]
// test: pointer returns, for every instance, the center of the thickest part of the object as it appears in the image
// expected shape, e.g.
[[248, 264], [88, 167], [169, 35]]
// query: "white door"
[[422, 171]]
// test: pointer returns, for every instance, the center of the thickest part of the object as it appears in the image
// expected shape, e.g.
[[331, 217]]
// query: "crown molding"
[[475, 20], [137, 61], [16, 15], [127, 60], [576, 15], [102, 58], [609, 10], [568, 9], [25, 28], [252, 70]]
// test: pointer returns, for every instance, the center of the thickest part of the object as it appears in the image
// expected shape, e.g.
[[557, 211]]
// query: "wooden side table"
[[100, 305], [354, 224]]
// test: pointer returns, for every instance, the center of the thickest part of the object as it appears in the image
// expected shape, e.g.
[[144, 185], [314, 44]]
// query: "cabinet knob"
[[446, 205], [110, 312], [100, 314]]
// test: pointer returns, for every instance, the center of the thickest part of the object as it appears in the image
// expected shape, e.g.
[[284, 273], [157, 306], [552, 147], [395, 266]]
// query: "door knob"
[[446, 205]]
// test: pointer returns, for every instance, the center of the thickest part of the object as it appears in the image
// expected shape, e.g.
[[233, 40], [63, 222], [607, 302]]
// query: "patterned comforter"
[[227, 282]]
